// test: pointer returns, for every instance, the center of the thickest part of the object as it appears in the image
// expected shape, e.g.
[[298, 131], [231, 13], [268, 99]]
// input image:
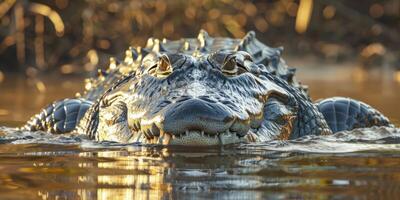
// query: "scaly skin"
[[204, 91]]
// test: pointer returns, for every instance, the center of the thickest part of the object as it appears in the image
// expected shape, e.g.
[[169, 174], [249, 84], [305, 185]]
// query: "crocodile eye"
[[164, 67], [235, 65], [161, 68]]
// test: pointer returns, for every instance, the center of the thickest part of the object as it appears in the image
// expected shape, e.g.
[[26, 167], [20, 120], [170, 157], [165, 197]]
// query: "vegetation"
[[75, 36]]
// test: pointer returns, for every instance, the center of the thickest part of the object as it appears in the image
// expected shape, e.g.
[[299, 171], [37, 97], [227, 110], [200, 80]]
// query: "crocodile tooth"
[[166, 138], [187, 132], [154, 140], [136, 125], [202, 133], [164, 40]]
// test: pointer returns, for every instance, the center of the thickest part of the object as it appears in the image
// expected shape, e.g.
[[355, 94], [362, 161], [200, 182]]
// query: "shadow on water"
[[362, 164]]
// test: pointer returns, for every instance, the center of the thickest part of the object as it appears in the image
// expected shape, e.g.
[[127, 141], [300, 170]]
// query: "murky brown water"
[[362, 165]]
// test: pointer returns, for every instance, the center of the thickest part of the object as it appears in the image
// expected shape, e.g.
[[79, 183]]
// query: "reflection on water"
[[361, 164], [237, 172]]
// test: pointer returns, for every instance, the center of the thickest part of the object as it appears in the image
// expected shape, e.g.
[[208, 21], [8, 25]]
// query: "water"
[[361, 164], [39, 165]]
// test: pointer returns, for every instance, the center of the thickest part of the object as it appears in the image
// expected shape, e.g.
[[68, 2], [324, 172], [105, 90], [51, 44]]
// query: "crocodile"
[[201, 91]]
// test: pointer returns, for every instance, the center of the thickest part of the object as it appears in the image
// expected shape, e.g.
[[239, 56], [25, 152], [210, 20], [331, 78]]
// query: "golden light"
[[93, 57], [8, 41], [261, 24], [5, 6], [19, 33], [67, 69], [373, 49], [241, 19], [103, 44], [329, 12], [168, 28], [233, 25], [4, 112], [397, 76], [214, 13], [39, 41], [303, 15], [190, 12], [376, 10], [359, 74], [54, 17], [113, 7], [1, 76], [250, 9], [40, 86]]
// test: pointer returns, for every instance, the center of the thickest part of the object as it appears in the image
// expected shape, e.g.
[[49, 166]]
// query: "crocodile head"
[[212, 99], [203, 91]]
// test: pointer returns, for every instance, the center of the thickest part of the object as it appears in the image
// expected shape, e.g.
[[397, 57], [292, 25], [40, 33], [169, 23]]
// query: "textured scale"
[[346, 114], [60, 116]]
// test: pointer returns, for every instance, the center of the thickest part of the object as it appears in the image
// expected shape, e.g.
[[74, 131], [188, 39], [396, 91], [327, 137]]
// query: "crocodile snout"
[[197, 115]]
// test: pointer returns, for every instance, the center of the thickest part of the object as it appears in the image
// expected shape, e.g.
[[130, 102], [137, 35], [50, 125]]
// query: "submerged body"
[[203, 91]]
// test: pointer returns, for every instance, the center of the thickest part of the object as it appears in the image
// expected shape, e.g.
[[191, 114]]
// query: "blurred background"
[[345, 48]]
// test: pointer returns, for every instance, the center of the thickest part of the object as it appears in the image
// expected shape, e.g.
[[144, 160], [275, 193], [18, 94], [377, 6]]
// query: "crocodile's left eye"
[[161, 68], [236, 64]]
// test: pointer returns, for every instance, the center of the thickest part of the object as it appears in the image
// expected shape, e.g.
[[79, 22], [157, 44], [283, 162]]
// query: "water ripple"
[[365, 139]]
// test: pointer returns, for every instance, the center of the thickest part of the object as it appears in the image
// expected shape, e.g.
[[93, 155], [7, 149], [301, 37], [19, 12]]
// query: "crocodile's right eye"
[[236, 64], [161, 68], [164, 67]]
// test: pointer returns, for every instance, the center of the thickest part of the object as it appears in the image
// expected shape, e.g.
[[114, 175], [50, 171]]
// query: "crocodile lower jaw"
[[197, 138]]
